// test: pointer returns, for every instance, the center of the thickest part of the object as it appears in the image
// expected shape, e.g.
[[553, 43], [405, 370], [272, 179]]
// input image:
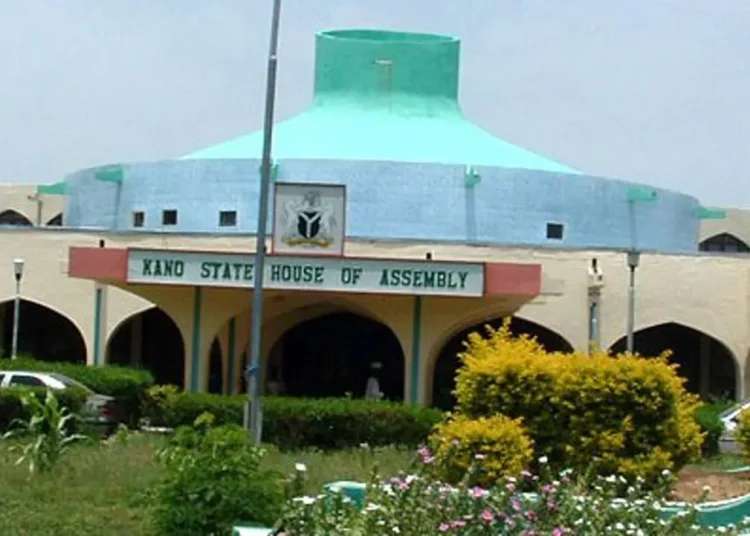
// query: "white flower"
[[666, 472], [300, 467], [543, 460], [305, 500], [706, 489]]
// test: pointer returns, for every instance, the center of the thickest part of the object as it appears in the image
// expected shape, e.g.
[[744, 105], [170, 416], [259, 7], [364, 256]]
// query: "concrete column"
[[2, 330], [414, 377], [136, 341], [704, 366], [98, 356]]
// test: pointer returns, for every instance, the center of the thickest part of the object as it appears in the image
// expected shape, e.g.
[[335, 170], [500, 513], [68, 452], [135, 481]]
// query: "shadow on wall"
[[447, 364], [708, 366], [42, 334]]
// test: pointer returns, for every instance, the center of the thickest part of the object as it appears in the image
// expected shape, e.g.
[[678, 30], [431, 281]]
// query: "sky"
[[654, 91]]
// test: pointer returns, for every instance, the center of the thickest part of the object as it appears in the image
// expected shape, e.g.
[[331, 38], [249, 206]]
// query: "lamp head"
[[634, 257], [18, 268]]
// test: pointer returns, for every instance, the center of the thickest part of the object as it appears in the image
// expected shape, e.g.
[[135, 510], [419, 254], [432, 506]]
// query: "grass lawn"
[[103, 490]]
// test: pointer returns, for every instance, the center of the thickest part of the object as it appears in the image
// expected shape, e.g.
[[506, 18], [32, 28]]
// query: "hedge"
[[11, 407], [127, 385], [289, 423]]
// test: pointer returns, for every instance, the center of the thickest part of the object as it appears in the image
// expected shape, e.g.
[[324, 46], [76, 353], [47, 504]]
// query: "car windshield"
[[728, 412], [70, 382]]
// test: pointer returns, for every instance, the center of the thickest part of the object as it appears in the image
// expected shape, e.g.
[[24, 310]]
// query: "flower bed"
[[422, 505]]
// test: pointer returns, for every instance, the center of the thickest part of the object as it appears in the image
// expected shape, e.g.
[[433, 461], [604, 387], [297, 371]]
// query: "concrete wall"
[[704, 292], [388, 200], [22, 198]]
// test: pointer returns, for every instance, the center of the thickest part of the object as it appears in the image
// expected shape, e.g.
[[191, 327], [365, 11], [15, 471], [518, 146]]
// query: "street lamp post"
[[254, 419], [18, 273], [634, 257]]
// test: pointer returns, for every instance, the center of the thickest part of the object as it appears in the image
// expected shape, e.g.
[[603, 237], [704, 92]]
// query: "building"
[[433, 228]]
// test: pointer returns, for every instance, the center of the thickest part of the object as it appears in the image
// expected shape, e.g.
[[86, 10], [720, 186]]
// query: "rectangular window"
[[169, 217], [139, 219], [555, 231], [228, 218]]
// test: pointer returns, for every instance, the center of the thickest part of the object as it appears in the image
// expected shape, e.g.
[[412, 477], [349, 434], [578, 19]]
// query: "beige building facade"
[[698, 304]]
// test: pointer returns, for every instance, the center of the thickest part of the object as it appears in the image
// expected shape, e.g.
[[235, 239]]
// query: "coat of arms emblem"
[[309, 222]]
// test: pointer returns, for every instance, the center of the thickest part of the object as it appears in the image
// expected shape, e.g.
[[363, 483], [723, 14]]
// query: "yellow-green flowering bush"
[[624, 414], [500, 443], [742, 433]]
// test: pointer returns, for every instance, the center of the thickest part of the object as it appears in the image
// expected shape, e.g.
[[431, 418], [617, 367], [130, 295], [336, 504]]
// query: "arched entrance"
[[150, 339], [331, 355], [707, 365], [215, 368], [12, 217], [43, 333], [444, 376]]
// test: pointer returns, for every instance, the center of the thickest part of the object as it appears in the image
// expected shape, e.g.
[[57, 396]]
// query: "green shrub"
[[325, 423], [624, 414], [707, 417], [487, 449], [214, 481], [12, 407], [742, 434], [127, 385]]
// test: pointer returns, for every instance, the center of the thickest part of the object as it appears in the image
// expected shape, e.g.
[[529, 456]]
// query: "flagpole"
[[254, 410]]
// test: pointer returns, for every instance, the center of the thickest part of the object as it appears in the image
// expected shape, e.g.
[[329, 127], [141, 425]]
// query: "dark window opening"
[[139, 219], [169, 217], [228, 218], [555, 231]]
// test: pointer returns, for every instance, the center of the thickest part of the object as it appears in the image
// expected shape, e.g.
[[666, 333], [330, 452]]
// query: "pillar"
[[414, 387], [100, 324], [193, 369]]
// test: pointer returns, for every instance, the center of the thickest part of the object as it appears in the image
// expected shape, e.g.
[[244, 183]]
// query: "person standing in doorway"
[[372, 390], [274, 385]]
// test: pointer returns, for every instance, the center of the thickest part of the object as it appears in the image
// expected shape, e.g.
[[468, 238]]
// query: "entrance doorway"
[[331, 356]]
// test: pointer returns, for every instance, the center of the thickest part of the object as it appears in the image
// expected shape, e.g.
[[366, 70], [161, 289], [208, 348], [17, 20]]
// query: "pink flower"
[[510, 486], [551, 505], [530, 515], [478, 493], [487, 516], [458, 523], [558, 532], [444, 527]]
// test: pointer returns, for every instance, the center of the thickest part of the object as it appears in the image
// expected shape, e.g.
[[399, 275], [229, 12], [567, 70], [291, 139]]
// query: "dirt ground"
[[723, 485]]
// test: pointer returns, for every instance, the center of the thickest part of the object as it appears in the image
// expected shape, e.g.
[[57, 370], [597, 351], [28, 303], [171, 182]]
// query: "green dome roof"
[[384, 96]]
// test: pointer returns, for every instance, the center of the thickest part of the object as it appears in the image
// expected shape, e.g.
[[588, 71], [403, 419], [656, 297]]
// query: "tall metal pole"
[[633, 260], [16, 319], [255, 415]]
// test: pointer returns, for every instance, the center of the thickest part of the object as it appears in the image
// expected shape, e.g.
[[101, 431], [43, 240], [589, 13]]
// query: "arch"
[[708, 365], [13, 217], [152, 340], [55, 221], [215, 368], [331, 355], [447, 362], [43, 333], [725, 243]]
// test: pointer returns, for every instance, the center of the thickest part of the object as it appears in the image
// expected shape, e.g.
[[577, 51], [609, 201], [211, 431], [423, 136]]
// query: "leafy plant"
[[213, 481], [48, 432]]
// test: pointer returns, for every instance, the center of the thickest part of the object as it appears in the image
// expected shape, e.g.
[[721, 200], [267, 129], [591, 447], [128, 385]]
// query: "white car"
[[98, 409], [731, 419]]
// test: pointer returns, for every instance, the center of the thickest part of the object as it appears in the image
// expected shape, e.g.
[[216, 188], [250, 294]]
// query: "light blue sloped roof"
[[385, 96]]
